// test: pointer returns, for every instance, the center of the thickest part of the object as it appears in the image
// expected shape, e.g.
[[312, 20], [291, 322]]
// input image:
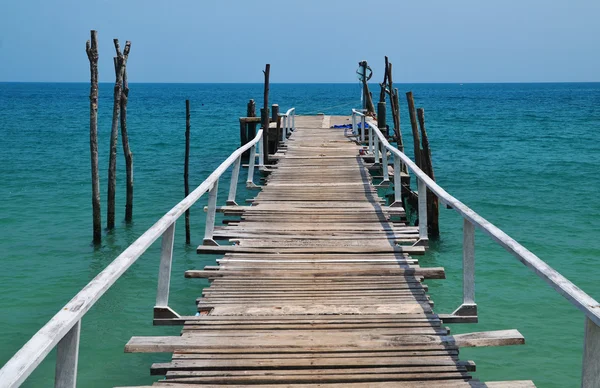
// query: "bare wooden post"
[[367, 95], [265, 115], [384, 84], [114, 134], [186, 169], [415, 129], [432, 200], [275, 118], [125, 138], [91, 49], [395, 109], [248, 130], [381, 124]]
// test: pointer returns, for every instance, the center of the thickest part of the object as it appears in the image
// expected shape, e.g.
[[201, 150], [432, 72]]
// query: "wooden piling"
[[395, 109], [91, 49], [186, 169], [384, 84], [381, 119], [368, 99], [264, 114], [125, 138], [275, 137], [114, 133], [251, 112], [415, 130], [432, 200]]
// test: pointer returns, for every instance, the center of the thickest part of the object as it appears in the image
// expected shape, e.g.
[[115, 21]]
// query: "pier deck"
[[322, 287]]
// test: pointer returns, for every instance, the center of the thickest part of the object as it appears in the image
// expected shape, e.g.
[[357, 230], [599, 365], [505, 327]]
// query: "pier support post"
[[591, 356], [161, 308], [412, 113], [381, 119], [67, 356]]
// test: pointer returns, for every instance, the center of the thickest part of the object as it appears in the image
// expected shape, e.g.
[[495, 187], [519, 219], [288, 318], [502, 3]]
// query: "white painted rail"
[[62, 331], [589, 306], [288, 123]]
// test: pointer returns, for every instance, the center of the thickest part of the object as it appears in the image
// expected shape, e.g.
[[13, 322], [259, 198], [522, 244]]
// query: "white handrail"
[[289, 123], [25, 361], [589, 306]]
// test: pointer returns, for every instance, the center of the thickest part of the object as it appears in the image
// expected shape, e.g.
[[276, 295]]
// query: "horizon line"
[[305, 83]]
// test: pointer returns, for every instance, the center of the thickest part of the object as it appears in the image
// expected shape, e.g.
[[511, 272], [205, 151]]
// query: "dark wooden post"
[[125, 137], [395, 109], [251, 112], [381, 124], [433, 210], [415, 129], [368, 100], [114, 134], [384, 84], [186, 169], [265, 115], [275, 137], [91, 48]]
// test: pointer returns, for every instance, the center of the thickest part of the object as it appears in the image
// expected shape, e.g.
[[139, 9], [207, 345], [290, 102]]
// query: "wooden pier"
[[322, 286], [317, 281]]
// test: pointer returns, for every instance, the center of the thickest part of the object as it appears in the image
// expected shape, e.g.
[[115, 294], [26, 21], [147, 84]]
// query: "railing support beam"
[[234, 181], [590, 377], [423, 238], [251, 161], [164, 271], [212, 211], [67, 356], [397, 183]]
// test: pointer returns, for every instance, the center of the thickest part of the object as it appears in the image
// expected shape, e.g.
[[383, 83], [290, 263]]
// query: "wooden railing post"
[[362, 131], [164, 271], [468, 263], [67, 356], [250, 180], [397, 183], [294, 119], [590, 377], [375, 145], [384, 164], [354, 130], [212, 211], [234, 181], [423, 238]]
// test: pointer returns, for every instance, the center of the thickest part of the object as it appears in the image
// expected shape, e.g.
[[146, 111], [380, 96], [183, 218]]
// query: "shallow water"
[[525, 156]]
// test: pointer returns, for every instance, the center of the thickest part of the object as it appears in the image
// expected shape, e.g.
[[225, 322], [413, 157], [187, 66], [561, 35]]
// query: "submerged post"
[[114, 134], [432, 200], [91, 49], [186, 169], [415, 129], [125, 138]]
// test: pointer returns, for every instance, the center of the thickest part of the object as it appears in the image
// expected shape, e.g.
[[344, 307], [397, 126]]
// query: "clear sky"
[[305, 41]]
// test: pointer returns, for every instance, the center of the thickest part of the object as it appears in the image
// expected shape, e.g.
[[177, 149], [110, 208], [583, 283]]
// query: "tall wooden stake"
[[395, 109], [114, 134], [415, 130], [265, 115], [125, 137], [433, 210], [91, 49], [384, 84], [368, 99], [186, 169]]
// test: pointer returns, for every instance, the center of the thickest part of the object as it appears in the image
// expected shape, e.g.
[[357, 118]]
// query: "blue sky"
[[305, 41]]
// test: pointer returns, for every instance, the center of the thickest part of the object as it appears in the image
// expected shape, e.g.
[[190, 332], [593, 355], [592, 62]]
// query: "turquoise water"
[[525, 156]]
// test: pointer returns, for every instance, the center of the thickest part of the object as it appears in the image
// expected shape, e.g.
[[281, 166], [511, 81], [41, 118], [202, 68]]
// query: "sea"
[[524, 156]]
